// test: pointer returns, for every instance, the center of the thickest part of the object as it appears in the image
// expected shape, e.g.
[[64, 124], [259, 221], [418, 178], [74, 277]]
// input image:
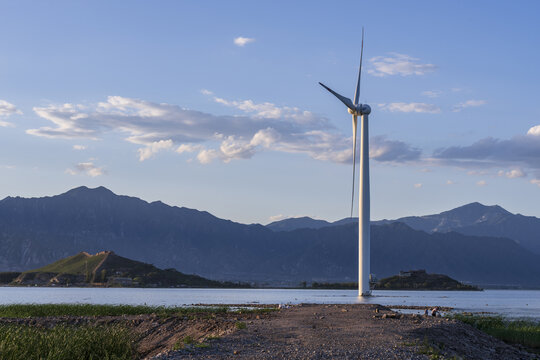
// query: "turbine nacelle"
[[360, 109]]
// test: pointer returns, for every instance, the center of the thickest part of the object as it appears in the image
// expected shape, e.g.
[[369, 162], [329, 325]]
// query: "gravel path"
[[350, 332]]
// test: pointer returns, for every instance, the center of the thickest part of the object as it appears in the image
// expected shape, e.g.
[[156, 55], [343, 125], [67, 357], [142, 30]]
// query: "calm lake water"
[[511, 303]]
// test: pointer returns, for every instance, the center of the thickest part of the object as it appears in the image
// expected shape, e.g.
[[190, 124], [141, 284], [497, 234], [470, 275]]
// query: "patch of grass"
[[256, 310], [77, 264], [188, 340], [414, 343], [210, 338], [40, 310], [240, 325], [202, 346], [524, 332], [427, 349], [22, 342]]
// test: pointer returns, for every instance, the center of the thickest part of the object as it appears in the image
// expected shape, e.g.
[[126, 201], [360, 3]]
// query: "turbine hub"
[[361, 109], [365, 109]]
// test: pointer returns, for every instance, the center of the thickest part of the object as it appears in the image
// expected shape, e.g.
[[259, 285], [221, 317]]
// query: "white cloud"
[[535, 182], [153, 148], [519, 152], [534, 131], [449, 182], [411, 107], [481, 183], [263, 110], [398, 64], [6, 124], [477, 172], [188, 148], [277, 218], [206, 92], [206, 156], [6, 110], [384, 150], [79, 147], [418, 186], [70, 122], [88, 168], [512, 174], [468, 104], [269, 110], [432, 93], [243, 41], [159, 127]]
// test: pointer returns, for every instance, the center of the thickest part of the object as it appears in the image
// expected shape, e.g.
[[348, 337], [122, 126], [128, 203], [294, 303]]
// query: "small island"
[[107, 269], [421, 280], [405, 280]]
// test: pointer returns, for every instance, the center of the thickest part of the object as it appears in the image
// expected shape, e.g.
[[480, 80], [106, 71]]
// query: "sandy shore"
[[351, 332]]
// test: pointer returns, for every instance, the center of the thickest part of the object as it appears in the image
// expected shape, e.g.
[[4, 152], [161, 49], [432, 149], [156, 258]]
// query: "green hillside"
[[108, 269], [75, 265]]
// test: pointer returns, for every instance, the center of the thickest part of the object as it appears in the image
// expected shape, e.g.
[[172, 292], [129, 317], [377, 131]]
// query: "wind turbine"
[[363, 110]]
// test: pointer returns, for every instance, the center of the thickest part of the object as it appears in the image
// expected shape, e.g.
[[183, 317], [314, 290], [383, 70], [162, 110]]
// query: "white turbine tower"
[[362, 110]]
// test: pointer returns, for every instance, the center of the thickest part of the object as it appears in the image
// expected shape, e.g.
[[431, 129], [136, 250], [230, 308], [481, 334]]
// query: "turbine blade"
[[342, 98], [354, 127], [357, 92]]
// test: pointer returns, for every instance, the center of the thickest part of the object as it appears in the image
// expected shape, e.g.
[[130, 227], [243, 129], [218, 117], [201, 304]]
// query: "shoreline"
[[314, 331]]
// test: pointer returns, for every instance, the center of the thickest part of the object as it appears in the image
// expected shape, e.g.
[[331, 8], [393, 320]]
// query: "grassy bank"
[[40, 310], [524, 332], [22, 342], [47, 335]]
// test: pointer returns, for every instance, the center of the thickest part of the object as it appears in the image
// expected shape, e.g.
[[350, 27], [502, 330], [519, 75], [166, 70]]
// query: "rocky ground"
[[351, 332], [301, 332]]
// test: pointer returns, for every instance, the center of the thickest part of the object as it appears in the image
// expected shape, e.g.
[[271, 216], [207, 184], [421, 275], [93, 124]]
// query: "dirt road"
[[350, 332]]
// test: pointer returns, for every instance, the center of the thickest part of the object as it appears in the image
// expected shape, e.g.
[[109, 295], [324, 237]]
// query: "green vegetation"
[[188, 340], [73, 265], [420, 280], [524, 332], [427, 349], [22, 342], [41, 310], [240, 325], [108, 269], [38, 310]]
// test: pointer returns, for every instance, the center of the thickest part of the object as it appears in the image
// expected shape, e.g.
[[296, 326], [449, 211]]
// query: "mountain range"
[[37, 231], [471, 219]]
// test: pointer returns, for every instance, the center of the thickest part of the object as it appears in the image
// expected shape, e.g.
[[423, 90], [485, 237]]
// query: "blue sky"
[[158, 100]]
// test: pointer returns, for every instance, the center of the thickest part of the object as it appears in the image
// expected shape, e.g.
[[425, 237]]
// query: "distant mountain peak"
[[84, 190], [297, 223], [477, 210]]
